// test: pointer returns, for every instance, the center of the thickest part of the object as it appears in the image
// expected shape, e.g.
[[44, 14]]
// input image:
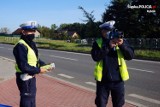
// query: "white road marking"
[[138, 60], [91, 83], [63, 57], [77, 53], [7, 59], [10, 48], [145, 98], [147, 61], [141, 70], [1, 47], [62, 80], [66, 76], [135, 103], [66, 52]]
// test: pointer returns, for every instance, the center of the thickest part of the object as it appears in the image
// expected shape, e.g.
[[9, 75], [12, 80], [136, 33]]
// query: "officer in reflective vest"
[[110, 70], [27, 64]]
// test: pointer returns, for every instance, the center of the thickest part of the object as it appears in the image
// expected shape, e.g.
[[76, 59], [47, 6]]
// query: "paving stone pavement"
[[51, 92]]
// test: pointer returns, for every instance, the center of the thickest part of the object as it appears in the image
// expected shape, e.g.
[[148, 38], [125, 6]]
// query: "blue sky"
[[47, 12]]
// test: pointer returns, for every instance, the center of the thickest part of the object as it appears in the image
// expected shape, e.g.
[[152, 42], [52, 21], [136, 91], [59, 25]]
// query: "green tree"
[[77, 27], [150, 21], [134, 22], [63, 26], [124, 18], [91, 27], [53, 32], [4, 30], [54, 27], [45, 32]]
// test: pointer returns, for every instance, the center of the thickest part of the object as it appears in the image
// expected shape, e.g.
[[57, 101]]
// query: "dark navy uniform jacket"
[[26, 88], [20, 52], [110, 59]]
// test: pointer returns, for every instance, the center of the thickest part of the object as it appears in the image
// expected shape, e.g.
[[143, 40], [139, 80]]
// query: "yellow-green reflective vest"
[[31, 56], [121, 62]]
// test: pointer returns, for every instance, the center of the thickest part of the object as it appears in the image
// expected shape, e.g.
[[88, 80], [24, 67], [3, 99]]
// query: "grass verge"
[[148, 54], [74, 47]]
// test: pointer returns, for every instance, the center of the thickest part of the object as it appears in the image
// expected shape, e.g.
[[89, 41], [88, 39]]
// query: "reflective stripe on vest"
[[31, 56], [121, 62]]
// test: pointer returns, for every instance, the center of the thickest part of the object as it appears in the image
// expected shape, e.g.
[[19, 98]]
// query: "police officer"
[[27, 64], [110, 70]]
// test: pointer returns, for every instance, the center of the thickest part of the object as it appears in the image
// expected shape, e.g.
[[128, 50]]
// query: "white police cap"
[[29, 25], [108, 25]]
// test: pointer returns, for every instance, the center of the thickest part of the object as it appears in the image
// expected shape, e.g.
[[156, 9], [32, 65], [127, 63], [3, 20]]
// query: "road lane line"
[[66, 76], [84, 54], [7, 59], [66, 52], [135, 103], [146, 61], [63, 57], [141, 70], [77, 85], [91, 83], [145, 98], [10, 48], [1, 47], [77, 53]]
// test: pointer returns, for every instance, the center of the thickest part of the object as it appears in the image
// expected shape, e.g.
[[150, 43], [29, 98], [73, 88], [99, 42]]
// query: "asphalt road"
[[142, 89]]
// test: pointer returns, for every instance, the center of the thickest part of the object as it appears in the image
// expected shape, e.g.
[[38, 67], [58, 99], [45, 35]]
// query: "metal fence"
[[145, 43], [137, 43]]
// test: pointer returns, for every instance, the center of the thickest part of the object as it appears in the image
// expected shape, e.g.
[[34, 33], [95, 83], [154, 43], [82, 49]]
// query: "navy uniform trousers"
[[27, 91], [103, 90]]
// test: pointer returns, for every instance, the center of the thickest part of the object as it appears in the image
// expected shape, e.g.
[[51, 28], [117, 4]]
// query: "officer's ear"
[[23, 32]]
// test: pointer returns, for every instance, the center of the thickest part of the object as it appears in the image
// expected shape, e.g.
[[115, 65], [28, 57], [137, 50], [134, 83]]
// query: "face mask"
[[30, 37]]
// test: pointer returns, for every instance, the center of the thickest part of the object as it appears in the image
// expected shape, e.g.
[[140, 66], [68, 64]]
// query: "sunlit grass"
[[74, 47], [148, 54], [63, 45]]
